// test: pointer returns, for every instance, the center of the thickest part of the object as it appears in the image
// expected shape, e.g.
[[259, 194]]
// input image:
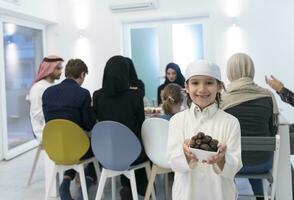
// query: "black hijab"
[[134, 81], [116, 76], [180, 78]]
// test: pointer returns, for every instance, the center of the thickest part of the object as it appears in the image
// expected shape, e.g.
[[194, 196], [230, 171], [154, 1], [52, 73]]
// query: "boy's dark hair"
[[217, 98], [74, 68]]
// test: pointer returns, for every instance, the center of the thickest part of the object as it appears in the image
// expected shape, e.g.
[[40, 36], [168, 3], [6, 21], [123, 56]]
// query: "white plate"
[[202, 154]]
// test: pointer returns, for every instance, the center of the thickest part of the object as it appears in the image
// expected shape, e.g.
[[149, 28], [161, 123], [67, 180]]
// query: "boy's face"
[[202, 90]]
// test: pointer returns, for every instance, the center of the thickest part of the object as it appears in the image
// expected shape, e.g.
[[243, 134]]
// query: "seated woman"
[[256, 109], [117, 102], [172, 75], [172, 100]]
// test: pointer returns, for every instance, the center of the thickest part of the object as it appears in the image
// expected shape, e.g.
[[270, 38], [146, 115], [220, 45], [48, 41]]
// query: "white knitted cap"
[[203, 67]]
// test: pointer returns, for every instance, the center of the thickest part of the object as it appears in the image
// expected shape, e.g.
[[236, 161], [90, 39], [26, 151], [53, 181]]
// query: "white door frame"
[[4, 151]]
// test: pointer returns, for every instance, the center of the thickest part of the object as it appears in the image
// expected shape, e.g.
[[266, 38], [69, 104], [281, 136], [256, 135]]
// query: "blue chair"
[[116, 147]]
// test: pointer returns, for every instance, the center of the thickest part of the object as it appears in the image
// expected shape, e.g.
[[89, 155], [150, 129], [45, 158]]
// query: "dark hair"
[[134, 80], [180, 80], [172, 95], [217, 98], [74, 68]]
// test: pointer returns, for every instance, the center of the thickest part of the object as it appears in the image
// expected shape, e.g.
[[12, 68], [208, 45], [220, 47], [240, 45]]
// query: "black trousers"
[[89, 170]]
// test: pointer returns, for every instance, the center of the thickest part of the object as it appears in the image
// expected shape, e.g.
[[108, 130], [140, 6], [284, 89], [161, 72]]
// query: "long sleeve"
[[233, 161], [175, 153], [287, 96], [88, 114], [36, 110]]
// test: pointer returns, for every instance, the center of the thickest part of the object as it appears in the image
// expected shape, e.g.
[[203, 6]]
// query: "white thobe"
[[200, 181], [36, 111]]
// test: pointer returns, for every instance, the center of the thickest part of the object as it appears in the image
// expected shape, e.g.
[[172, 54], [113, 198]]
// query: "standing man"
[[68, 100], [49, 71]]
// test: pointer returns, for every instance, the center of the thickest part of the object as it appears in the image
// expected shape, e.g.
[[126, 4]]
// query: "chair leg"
[[101, 184], [151, 182], [52, 178], [166, 185], [113, 188], [265, 193], [83, 182], [39, 149], [133, 184], [97, 169], [147, 168]]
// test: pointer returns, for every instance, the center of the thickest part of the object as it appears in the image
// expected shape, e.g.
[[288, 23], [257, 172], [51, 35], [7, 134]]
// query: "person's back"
[[119, 102], [255, 118], [68, 100], [256, 109], [127, 108], [116, 100], [49, 70]]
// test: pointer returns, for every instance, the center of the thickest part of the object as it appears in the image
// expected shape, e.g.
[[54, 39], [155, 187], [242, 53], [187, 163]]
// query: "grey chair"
[[263, 144], [154, 136], [116, 147]]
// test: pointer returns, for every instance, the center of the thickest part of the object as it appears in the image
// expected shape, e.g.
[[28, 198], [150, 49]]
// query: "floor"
[[14, 176]]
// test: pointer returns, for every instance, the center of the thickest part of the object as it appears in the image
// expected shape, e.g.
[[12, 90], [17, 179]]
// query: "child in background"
[[172, 100], [212, 179]]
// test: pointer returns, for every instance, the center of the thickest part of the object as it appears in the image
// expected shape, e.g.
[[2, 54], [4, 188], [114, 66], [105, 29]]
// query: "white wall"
[[265, 32], [35, 10]]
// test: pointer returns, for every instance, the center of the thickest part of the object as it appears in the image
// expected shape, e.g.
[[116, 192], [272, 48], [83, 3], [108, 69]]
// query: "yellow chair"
[[65, 143]]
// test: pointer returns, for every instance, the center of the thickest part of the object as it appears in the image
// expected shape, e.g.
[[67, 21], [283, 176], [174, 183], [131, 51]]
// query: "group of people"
[[120, 99], [243, 109]]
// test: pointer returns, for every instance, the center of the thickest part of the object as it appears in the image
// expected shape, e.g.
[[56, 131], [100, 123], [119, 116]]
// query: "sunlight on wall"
[[82, 14], [234, 41], [82, 48], [232, 8]]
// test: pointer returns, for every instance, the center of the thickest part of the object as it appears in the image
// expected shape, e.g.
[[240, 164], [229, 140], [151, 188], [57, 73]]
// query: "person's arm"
[[36, 110], [178, 154], [88, 114], [232, 163], [285, 94]]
